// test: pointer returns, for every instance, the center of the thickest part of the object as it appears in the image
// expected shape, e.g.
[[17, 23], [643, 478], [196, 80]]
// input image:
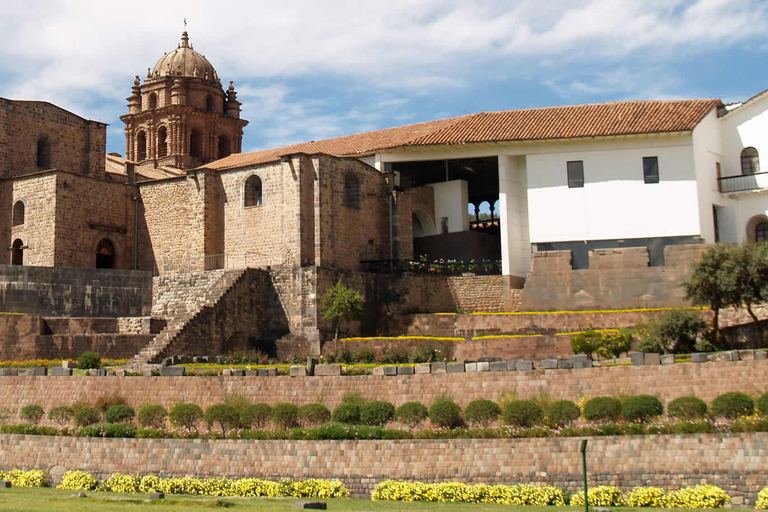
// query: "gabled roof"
[[551, 123]]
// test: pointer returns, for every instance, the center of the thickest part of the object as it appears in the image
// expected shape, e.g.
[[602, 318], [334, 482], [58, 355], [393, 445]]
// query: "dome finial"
[[136, 81], [149, 73], [184, 40]]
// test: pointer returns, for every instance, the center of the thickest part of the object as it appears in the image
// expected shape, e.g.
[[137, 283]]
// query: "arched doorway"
[[423, 225], [105, 254], [17, 252]]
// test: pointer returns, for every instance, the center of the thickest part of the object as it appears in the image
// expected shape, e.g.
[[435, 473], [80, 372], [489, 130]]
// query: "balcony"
[[743, 182]]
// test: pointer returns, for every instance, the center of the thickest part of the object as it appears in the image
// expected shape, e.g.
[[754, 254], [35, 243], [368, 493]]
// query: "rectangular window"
[[575, 174], [651, 169]]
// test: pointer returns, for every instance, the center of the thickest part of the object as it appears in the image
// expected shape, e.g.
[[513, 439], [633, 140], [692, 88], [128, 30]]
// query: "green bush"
[[762, 404], [104, 402], [411, 414], [732, 405], [62, 414], [482, 412], [615, 343], [120, 414], [522, 413], [255, 416], [116, 430], [646, 332], [586, 342], [225, 415], [79, 404], [641, 408], [602, 408], [687, 408], [89, 360], [679, 329], [348, 413], [87, 416], [152, 416], [376, 413], [284, 415], [32, 413], [312, 415], [562, 413], [445, 413], [185, 415]]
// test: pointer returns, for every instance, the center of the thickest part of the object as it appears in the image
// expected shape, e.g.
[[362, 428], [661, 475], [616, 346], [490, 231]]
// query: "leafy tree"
[[341, 303], [750, 267]]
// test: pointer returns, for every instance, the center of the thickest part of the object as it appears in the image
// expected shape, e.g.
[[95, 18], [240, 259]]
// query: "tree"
[[341, 303], [750, 267]]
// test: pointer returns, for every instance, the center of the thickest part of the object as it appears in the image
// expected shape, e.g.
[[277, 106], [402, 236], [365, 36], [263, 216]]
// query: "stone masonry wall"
[[735, 462], [38, 193]]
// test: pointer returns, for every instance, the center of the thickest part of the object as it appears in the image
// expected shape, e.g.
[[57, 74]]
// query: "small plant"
[[602, 408], [688, 408], [312, 415], [284, 415], [225, 415], [120, 414], [615, 343], [87, 416], [185, 415], [679, 329], [411, 414], [732, 405], [89, 360], [523, 413], [762, 404], [104, 402], [341, 303], [641, 408], [482, 412], [348, 413], [446, 413], [255, 416], [152, 416], [78, 481], [32, 413], [507, 398], [62, 414], [562, 413], [353, 398], [237, 400], [587, 342], [376, 413]]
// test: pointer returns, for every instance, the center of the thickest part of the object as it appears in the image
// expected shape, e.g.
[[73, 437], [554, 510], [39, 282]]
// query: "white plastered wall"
[[513, 210], [451, 200], [707, 151]]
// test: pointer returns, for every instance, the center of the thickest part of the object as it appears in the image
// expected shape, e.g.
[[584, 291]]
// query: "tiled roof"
[[576, 121]]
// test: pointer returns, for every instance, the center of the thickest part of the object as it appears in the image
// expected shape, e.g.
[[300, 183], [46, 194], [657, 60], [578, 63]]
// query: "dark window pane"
[[575, 174], [651, 169], [761, 232]]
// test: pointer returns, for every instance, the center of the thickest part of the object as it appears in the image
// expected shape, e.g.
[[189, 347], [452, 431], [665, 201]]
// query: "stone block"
[[69, 364], [226, 372], [424, 368], [652, 359], [564, 364], [549, 364], [251, 373], [497, 366], [328, 370], [311, 364], [488, 359], [699, 357], [101, 372], [238, 373], [735, 356], [761, 355], [440, 367], [120, 373], [746, 355], [405, 370], [454, 367], [523, 365], [379, 370], [511, 366], [58, 371], [470, 367], [390, 371], [173, 371], [638, 358], [146, 373], [156, 496], [310, 505], [271, 372], [581, 361], [5, 484], [8, 371], [668, 359], [93, 372], [483, 366], [262, 372], [299, 371]]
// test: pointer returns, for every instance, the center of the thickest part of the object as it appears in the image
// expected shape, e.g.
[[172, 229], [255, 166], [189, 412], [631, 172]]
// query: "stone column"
[[513, 213]]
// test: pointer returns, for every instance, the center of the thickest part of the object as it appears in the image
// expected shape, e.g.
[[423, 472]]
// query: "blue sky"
[[307, 70]]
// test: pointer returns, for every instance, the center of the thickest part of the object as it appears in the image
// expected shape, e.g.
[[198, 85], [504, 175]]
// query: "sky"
[[309, 70]]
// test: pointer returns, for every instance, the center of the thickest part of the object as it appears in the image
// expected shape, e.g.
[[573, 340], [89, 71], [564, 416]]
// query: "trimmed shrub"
[[602, 408], [600, 496], [411, 414], [562, 413], [519, 494], [641, 408], [482, 412], [687, 408], [78, 481], [104, 402], [732, 405], [62, 414], [87, 416], [225, 415], [89, 361], [698, 496], [762, 404], [185, 415], [312, 415], [284, 415], [120, 414], [255, 416], [445, 413], [762, 499], [376, 413], [523, 413], [645, 497], [107, 430], [152, 416], [79, 404], [32, 413], [348, 413], [118, 482], [587, 342]]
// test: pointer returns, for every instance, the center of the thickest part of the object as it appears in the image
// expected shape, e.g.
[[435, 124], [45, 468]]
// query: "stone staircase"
[[212, 292]]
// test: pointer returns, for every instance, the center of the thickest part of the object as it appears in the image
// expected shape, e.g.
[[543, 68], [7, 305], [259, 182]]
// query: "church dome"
[[185, 61]]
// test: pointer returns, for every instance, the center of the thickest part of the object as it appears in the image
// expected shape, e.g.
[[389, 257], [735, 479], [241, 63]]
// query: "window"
[[210, 104], [43, 152], [162, 141], [252, 193], [18, 213], [761, 232], [575, 174], [152, 101], [352, 191], [105, 254], [224, 146], [17, 252], [141, 146], [750, 161], [196, 143], [651, 169]]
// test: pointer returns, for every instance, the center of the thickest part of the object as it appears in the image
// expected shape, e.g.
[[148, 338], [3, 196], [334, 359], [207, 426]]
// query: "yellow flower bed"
[[600, 496], [21, 478], [520, 494], [78, 481], [499, 336], [32, 363], [762, 499], [699, 496], [639, 310], [645, 497], [390, 338]]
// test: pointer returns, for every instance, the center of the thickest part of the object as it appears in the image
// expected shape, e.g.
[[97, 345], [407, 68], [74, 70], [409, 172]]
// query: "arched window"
[[750, 161], [196, 143], [352, 192], [17, 252], [43, 152], [761, 232], [141, 146], [252, 193], [224, 147], [210, 104], [18, 213], [152, 101], [105, 254], [162, 141]]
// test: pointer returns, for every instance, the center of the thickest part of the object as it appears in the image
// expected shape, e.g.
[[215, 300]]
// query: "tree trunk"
[[757, 326], [336, 336]]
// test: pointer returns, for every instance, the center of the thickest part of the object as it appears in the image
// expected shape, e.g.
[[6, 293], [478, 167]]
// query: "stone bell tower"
[[181, 117]]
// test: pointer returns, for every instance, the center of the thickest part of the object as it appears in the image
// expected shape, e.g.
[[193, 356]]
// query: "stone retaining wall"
[[735, 462]]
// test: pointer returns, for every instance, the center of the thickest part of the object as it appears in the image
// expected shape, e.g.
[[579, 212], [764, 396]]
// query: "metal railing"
[[215, 261], [743, 182], [433, 267]]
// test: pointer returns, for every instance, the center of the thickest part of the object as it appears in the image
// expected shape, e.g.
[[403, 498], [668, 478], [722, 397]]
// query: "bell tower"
[[181, 117]]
